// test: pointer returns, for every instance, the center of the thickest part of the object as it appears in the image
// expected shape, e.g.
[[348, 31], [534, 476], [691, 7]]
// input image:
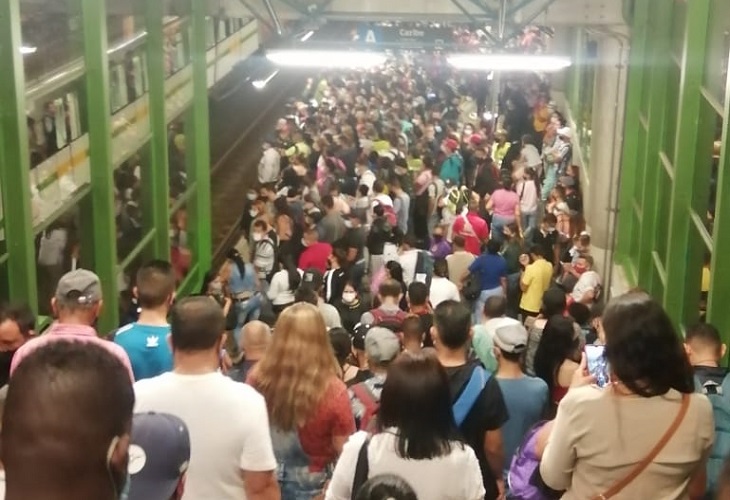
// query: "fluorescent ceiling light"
[[326, 58], [307, 36], [508, 62], [24, 49], [260, 84]]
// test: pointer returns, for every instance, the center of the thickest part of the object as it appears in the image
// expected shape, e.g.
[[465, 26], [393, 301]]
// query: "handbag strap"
[[362, 469], [641, 466]]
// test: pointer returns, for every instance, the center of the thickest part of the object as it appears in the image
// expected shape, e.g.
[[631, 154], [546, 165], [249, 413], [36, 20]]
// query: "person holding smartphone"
[[646, 434]]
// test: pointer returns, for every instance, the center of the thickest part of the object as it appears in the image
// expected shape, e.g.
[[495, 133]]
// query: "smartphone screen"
[[597, 364]]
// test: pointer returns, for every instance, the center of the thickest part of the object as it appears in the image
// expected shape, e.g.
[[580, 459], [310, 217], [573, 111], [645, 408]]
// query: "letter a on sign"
[[370, 37]]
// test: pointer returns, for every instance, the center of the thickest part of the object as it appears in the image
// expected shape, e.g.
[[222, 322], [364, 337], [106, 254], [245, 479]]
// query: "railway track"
[[239, 122]]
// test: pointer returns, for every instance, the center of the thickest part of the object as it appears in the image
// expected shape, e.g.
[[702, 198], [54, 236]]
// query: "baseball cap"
[[511, 338], [452, 144], [475, 139], [81, 286], [158, 455], [312, 278], [565, 132], [381, 345]]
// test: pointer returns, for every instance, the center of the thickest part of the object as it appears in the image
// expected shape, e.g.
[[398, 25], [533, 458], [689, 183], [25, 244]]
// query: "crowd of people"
[[407, 319]]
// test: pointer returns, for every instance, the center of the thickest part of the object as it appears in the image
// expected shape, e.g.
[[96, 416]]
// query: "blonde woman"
[[309, 410]]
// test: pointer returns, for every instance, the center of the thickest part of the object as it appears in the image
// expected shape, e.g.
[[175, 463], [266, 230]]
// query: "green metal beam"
[[660, 26], [197, 133], [637, 75], [683, 251], [720, 285], [156, 185], [15, 161], [93, 14]]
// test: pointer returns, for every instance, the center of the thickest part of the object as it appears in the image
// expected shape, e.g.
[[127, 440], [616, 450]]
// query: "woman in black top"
[[350, 306]]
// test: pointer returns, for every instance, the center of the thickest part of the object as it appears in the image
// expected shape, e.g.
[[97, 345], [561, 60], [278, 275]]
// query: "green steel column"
[[199, 220], [681, 281], [15, 161], [660, 29], [93, 13], [637, 73], [720, 286], [156, 185]]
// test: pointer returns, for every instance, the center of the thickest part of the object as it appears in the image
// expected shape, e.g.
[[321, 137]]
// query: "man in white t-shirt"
[[587, 287], [231, 452], [441, 287]]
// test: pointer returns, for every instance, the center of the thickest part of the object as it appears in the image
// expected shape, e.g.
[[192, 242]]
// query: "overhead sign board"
[[403, 35]]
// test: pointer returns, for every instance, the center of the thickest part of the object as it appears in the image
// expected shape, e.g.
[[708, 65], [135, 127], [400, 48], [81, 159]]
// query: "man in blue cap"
[[158, 457]]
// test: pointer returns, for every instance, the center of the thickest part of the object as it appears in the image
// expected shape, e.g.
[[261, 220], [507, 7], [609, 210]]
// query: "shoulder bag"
[[641, 466]]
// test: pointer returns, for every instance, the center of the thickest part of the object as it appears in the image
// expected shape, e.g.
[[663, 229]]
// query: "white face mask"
[[349, 297], [253, 212], [304, 243], [251, 196], [258, 236], [348, 224]]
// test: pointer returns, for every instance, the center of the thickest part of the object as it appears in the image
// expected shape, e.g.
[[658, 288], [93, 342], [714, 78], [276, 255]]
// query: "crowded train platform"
[[410, 306]]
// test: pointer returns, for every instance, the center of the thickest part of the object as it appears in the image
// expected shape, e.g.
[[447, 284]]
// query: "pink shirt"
[[504, 202], [77, 333]]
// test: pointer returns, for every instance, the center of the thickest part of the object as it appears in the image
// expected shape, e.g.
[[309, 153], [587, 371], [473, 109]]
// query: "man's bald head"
[[255, 338]]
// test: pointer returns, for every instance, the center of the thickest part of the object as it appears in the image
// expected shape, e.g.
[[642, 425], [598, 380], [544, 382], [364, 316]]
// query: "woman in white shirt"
[[417, 438], [441, 287], [283, 285]]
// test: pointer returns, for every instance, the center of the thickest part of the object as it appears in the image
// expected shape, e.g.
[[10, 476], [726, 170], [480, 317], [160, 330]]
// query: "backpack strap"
[[362, 469], [367, 398], [463, 405], [378, 315]]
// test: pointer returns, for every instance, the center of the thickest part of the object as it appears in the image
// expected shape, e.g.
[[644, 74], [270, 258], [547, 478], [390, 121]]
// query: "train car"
[[58, 131]]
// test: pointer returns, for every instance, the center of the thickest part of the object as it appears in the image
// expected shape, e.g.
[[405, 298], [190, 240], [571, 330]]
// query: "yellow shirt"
[[499, 152], [536, 278]]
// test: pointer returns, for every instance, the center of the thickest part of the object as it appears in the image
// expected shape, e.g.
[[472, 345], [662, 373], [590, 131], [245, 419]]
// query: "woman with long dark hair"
[[647, 433], [350, 306], [283, 285], [394, 271], [417, 438], [557, 355]]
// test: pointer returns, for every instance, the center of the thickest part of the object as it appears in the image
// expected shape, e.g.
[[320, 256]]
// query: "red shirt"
[[474, 233], [315, 255], [333, 417]]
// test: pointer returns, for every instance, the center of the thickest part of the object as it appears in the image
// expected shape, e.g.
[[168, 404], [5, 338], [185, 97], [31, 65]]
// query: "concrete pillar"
[[601, 178]]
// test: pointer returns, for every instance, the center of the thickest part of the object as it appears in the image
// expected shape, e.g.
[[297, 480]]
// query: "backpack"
[[719, 396], [424, 267], [390, 320], [275, 249], [524, 479], [389, 213], [371, 404]]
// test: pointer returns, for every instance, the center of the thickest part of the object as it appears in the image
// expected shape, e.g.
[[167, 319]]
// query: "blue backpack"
[[719, 395], [524, 481]]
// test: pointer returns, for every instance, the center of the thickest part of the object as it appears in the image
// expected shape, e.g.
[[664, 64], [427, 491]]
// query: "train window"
[[137, 76], [221, 29], [117, 87], [74, 115], [61, 124], [209, 32]]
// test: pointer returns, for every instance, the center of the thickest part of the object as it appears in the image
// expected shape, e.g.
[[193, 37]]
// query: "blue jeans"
[[498, 224], [529, 225], [246, 310], [479, 303], [296, 481]]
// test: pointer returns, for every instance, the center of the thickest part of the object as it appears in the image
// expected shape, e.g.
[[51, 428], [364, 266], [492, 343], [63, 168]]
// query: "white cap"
[[565, 132]]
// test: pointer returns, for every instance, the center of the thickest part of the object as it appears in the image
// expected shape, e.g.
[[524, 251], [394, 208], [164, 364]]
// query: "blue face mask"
[[125, 491]]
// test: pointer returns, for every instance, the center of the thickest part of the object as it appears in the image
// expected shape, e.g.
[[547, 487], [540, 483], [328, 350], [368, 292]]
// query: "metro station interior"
[[137, 124]]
